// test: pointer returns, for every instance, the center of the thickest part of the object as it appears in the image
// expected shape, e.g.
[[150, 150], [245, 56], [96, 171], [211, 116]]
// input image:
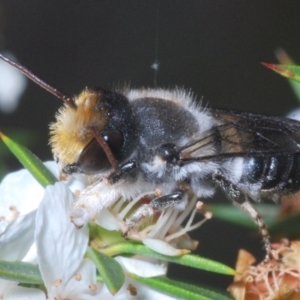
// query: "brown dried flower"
[[277, 278]]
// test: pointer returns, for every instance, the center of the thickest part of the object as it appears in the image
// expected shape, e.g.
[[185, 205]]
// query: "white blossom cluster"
[[35, 227]]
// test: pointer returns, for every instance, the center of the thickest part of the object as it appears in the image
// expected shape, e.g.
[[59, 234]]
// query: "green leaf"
[[110, 270], [20, 271], [285, 59], [190, 260], [101, 237], [32, 163], [229, 213], [289, 71], [287, 227], [179, 289], [25, 137]]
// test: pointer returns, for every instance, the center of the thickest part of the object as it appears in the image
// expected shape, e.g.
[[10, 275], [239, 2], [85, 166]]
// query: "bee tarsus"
[[127, 171]]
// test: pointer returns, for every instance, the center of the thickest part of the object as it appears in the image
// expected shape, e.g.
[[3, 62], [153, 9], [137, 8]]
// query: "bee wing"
[[243, 134]]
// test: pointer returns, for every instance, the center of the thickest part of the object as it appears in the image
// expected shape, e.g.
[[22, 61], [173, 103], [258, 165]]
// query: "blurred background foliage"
[[212, 47]]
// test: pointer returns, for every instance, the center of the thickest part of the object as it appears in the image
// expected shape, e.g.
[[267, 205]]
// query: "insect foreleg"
[[128, 170], [241, 201]]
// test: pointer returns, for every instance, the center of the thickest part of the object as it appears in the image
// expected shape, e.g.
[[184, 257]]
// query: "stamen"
[[146, 230], [57, 282], [188, 226], [93, 287], [161, 223], [186, 212], [130, 205], [268, 286], [77, 276], [189, 222], [118, 204], [170, 222]]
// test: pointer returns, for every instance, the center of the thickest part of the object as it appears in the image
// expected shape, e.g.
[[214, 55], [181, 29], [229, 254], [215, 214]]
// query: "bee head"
[[94, 131], [99, 126]]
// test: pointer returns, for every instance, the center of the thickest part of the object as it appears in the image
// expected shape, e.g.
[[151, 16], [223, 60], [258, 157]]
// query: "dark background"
[[213, 47]]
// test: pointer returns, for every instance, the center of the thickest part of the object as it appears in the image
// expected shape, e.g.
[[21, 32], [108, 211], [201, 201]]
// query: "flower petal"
[[22, 293], [61, 246], [83, 284], [141, 268], [163, 247], [20, 193], [132, 290], [5, 286], [17, 237], [107, 220]]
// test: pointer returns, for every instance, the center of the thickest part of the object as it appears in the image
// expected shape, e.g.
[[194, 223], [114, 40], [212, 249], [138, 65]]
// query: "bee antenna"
[[110, 156], [67, 99]]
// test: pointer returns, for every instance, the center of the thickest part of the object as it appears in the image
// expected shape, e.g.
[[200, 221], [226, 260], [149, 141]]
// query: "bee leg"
[[128, 170], [178, 200], [241, 201]]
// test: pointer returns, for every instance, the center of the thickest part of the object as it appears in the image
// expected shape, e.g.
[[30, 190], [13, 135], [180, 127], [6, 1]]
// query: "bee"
[[136, 140]]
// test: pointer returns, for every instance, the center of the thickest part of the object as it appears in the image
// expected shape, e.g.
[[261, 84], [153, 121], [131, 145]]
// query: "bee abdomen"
[[279, 172]]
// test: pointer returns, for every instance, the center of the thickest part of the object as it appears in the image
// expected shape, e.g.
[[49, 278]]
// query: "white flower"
[[12, 85], [61, 248], [60, 245], [20, 194], [22, 293]]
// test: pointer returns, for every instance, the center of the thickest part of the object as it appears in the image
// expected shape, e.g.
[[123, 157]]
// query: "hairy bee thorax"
[[74, 130]]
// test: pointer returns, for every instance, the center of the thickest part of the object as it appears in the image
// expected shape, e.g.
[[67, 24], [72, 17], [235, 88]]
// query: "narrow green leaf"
[[289, 71], [20, 271], [32, 163], [179, 289], [287, 227], [229, 213], [190, 260], [110, 270], [25, 137], [285, 59]]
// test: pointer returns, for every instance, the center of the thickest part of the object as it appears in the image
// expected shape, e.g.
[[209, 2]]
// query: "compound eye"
[[114, 139], [93, 158]]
